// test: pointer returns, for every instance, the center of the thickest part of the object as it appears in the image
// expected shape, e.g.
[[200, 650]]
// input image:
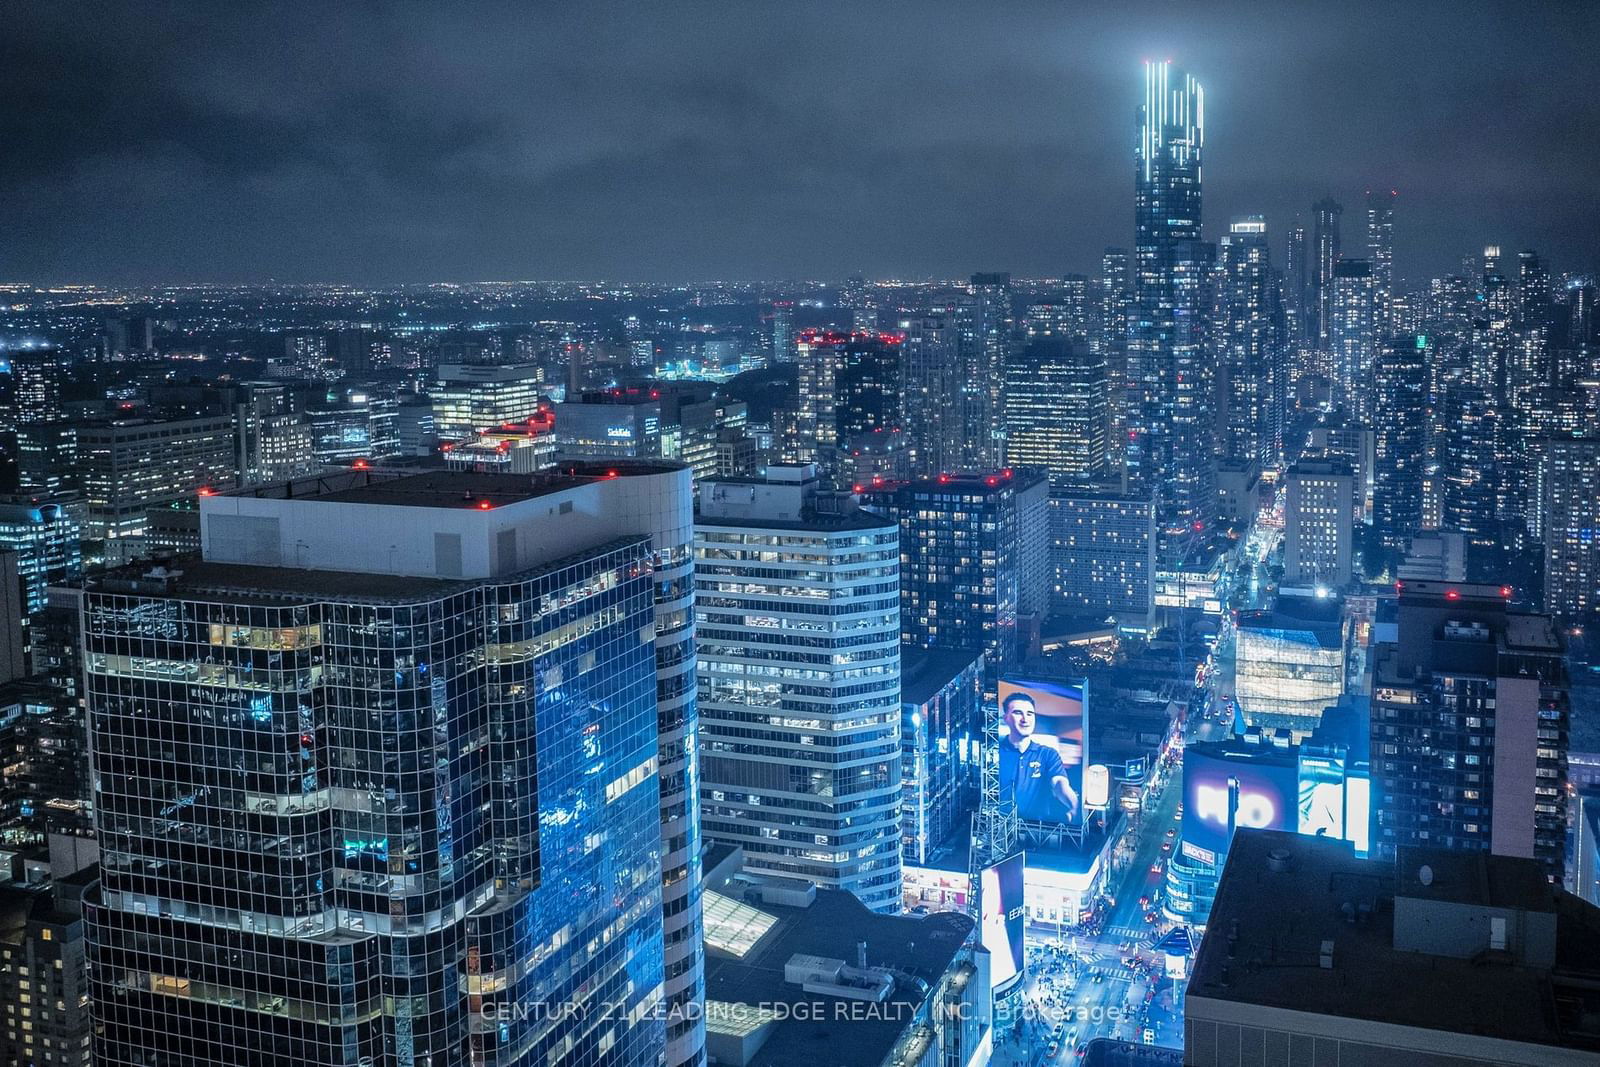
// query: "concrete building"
[[1103, 555], [129, 465], [43, 985], [1437, 557], [483, 396], [801, 975], [1443, 958], [1469, 726], [798, 609], [1318, 530]]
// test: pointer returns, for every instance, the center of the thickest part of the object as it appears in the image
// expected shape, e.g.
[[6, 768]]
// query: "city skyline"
[[1035, 641], [646, 146]]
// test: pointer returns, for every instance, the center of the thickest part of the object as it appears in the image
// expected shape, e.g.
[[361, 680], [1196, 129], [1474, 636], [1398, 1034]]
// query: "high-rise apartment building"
[[783, 331], [930, 374], [1569, 513], [1251, 364], [1102, 554], [798, 609], [1470, 476], [399, 757], [850, 403], [1295, 282], [1325, 216], [1116, 300], [1171, 427], [985, 324], [974, 556], [1400, 424], [1380, 253], [1469, 727], [1351, 311], [1318, 525], [30, 388], [126, 466], [1055, 409], [42, 982]]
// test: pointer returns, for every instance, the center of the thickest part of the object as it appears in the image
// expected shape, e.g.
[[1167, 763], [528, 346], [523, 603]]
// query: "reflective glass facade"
[[414, 827]]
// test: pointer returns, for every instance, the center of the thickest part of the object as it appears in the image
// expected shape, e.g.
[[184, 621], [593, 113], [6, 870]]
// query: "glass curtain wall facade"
[[1171, 431], [403, 827]]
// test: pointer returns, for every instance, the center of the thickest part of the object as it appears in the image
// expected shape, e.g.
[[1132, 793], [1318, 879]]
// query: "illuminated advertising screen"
[[1322, 801], [1042, 750], [1000, 904], [1223, 791], [1358, 812]]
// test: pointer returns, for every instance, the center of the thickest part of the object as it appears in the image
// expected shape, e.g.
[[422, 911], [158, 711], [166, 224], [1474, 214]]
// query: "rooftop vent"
[[1280, 860]]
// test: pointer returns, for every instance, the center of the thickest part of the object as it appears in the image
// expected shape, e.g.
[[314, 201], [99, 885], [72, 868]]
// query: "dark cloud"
[[390, 142]]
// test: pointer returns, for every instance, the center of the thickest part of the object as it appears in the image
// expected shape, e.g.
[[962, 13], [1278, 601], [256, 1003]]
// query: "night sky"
[[757, 139]]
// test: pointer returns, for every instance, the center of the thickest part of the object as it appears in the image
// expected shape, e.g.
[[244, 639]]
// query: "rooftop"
[[1283, 896], [925, 671], [922, 946], [192, 578], [439, 488], [1476, 878], [1532, 633]]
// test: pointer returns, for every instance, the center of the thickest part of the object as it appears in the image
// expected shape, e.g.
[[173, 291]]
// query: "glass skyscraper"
[[1250, 345], [1171, 426], [380, 779]]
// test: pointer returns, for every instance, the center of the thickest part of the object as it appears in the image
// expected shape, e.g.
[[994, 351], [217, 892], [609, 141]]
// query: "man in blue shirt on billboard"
[[1030, 770]]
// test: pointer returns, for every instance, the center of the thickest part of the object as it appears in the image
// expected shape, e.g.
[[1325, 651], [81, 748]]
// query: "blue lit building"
[[45, 540], [377, 779], [940, 699], [1171, 425]]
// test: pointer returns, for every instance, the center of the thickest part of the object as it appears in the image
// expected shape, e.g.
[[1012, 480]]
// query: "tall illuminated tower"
[[1249, 348], [1325, 214], [1380, 250], [1171, 428]]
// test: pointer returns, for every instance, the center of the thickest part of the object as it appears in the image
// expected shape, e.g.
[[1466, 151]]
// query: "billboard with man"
[[1043, 733]]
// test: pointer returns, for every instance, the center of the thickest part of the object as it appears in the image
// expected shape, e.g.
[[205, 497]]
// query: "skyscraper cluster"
[[383, 690]]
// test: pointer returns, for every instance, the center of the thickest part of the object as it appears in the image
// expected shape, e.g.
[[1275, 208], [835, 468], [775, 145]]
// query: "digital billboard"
[[1042, 750], [1322, 802], [1000, 898], [1224, 790]]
